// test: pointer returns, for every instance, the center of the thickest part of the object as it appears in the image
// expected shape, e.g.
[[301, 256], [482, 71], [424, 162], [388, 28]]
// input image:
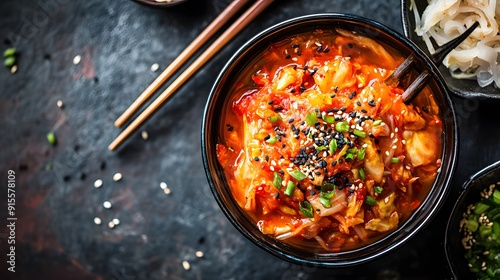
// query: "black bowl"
[[212, 128], [460, 87], [156, 4], [470, 194]]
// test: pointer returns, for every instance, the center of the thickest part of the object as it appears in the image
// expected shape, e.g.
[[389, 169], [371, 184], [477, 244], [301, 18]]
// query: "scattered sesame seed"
[[13, 69], [116, 221], [186, 265], [98, 183], [106, 204], [77, 59], [117, 177], [167, 191], [97, 221], [111, 224], [199, 254], [144, 135], [59, 104], [163, 185], [155, 67]]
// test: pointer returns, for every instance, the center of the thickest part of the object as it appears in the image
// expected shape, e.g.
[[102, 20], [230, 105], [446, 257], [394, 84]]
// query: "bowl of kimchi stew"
[[312, 156]]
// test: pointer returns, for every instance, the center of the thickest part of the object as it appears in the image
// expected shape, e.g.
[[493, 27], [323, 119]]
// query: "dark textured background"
[[55, 199]]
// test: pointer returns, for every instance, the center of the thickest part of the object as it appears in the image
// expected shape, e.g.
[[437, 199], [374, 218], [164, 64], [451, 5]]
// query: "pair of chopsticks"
[[421, 81], [209, 31]]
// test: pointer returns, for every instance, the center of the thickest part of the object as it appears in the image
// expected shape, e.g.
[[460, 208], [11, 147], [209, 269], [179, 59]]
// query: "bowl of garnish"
[[472, 239], [311, 148], [472, 69]]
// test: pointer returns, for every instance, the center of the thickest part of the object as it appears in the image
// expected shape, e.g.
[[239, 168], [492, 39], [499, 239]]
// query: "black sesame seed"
[[230, 128], [302, 89], [335, 109], [364, 111], [340, 160], [292, 90], [305, 68], [281, 172], [291, 120], [317, 173], [267, 137], [267, 158], [288, 56], [319, 49], [256, 159], [270, 102], [326, 49], [334, 163], [343, 109], [425, 109], [349, 45], [295, 46], [377, 141], [359, 103], [277, 195], [336, 89], [372, 103], [283, 145]]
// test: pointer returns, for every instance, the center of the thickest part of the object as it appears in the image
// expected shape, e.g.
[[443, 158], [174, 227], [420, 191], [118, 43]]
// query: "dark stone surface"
[[56, 202]]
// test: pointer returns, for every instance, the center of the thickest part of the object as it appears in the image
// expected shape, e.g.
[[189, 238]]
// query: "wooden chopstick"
[[224, 38], [207, 33]]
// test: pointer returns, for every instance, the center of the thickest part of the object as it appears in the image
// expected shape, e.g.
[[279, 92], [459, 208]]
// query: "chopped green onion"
[[333, 146], [349, 157], [377, 122], [370, 200], [395, 159], [275, 118], [496, 196], [378, 189], [359, 133], [325, 202], [51, 137], [496, 228], [289, 188], [9, 61], [361, 153], [327, 187], [277, 181], [272, 140], [362, 174], [311, 118], [352, 151], [320, 148], [481, 208], [472, 225], [299, 176], [306, 208], [342, 126], [484, 231], [9, 52], [329, 119]]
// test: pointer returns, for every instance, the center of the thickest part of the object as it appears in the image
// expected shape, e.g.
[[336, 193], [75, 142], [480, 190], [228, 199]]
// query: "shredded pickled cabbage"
[[478, 56]]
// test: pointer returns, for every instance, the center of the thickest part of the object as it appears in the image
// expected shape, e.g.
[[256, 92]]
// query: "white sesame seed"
[[387, 153], [386, 200], [77, 59], [294, 59], [396, 129], [199, 254], [106, 204], [272, 168], [97, 221], [163, 185], [116, 221], [394, 147], [392, 134], [13, 69], [155, 67], [111, 224], [403, 141], [98, 183], [186, 265], [59, 104], [167, 191], [144, 135], [117, 177], [283, 183]]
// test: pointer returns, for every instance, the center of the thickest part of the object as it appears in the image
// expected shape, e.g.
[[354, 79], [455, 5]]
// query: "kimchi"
[[317, 148]]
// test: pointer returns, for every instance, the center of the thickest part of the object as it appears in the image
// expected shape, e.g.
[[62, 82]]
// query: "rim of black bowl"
[[215, 175], [153, 3], [408, 19], [455, 254]]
